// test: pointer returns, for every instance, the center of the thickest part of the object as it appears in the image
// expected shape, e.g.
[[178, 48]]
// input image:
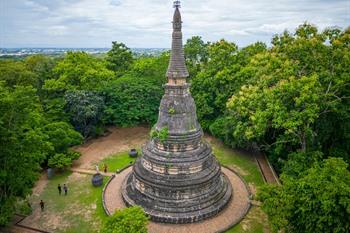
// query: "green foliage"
[[153, 68], [85, 109], [22, 206], [163, 134], [42, 67], [318, 201], [220, 78], [119, 58], [62, 136], [60, 161], [16, 73], [131, 219], [291, 97], [78, 71], [171, 111], [23, 145], [196, 52], [131, 100], [153, 133]]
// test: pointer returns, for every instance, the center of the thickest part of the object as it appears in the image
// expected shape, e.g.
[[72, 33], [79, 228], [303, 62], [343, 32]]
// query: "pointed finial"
[[177, 4]]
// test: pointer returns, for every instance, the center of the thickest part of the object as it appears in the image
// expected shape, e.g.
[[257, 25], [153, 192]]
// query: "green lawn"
[[80, 211], [117, 161], [254, 222], [244, 164]]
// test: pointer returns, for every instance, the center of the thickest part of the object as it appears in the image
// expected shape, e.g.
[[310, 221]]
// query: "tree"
[[85, 109], [132, 100], [318, 201], [78, 71], [119, 58], [62, 136], [220, 78], [62, 161], [23, 145], [16, 73], [151, 68], [196, 53], [132, 220], [42, 67]]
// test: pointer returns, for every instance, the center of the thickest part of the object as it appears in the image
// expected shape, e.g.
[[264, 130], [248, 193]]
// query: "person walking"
[[65, 189], [42, 205], [105, 168], [59, 189]]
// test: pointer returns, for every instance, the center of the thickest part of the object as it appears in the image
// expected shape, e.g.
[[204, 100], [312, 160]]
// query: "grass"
[[117, 161], [244, 164], [80, 211], [254, 222]]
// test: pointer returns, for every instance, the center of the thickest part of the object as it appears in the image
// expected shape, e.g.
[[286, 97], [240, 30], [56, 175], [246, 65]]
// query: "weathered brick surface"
[[233, 212]]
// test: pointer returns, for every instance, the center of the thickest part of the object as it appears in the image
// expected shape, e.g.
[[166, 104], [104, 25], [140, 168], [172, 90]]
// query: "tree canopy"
[[317, 201]]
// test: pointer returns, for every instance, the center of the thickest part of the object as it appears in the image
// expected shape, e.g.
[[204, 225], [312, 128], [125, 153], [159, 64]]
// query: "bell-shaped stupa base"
[[186, 189]]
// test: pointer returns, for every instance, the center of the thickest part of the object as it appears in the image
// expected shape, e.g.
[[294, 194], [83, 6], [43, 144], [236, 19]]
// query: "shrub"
[[60, 161], [131, 220]]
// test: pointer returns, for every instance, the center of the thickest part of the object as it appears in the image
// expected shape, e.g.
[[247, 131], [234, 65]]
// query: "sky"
[[147, 23]]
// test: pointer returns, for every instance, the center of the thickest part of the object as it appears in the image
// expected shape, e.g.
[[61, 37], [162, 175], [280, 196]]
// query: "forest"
[[289, 100]]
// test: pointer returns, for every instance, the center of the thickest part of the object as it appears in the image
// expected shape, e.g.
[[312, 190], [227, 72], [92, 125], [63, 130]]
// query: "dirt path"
[[40, 184], [120, 139]]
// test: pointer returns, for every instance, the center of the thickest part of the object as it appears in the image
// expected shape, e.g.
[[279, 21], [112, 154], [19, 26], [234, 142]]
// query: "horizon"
[[147, 23]]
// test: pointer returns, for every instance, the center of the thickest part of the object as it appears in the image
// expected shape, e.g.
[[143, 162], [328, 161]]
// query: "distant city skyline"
[[145, 23]]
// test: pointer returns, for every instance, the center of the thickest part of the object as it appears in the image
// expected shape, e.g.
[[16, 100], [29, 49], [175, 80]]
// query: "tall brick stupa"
[[177, 179]]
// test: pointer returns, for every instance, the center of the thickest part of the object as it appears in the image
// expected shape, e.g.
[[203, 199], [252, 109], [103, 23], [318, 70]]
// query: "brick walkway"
[[266, 169], [232, 214]]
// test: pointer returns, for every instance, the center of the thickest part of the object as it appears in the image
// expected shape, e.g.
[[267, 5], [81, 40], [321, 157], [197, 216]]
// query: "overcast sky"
[[147, 23]]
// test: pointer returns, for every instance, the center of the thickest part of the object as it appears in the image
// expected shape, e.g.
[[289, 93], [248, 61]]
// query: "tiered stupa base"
[[191, 189], [175, 213]]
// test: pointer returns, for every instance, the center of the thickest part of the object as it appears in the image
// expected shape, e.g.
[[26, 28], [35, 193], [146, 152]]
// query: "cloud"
[[147, 23]]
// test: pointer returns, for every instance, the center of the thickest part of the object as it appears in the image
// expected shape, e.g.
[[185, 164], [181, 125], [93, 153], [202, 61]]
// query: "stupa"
[[177, 179]]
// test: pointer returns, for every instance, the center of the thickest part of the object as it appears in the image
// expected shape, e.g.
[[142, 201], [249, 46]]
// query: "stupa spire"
[[177, 67]]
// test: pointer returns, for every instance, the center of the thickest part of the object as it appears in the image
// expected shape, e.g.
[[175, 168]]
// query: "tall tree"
[[196, 53], [132, 100], [119, 58], [85, 109], [23, 145]]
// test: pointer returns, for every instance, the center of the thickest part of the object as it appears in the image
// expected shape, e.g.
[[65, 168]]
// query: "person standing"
[[65, 188], [59, 189], [42, 205], [105, 168]]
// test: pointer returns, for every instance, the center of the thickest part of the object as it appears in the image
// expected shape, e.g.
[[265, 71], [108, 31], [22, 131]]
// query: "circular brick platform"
[[236, 209]]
